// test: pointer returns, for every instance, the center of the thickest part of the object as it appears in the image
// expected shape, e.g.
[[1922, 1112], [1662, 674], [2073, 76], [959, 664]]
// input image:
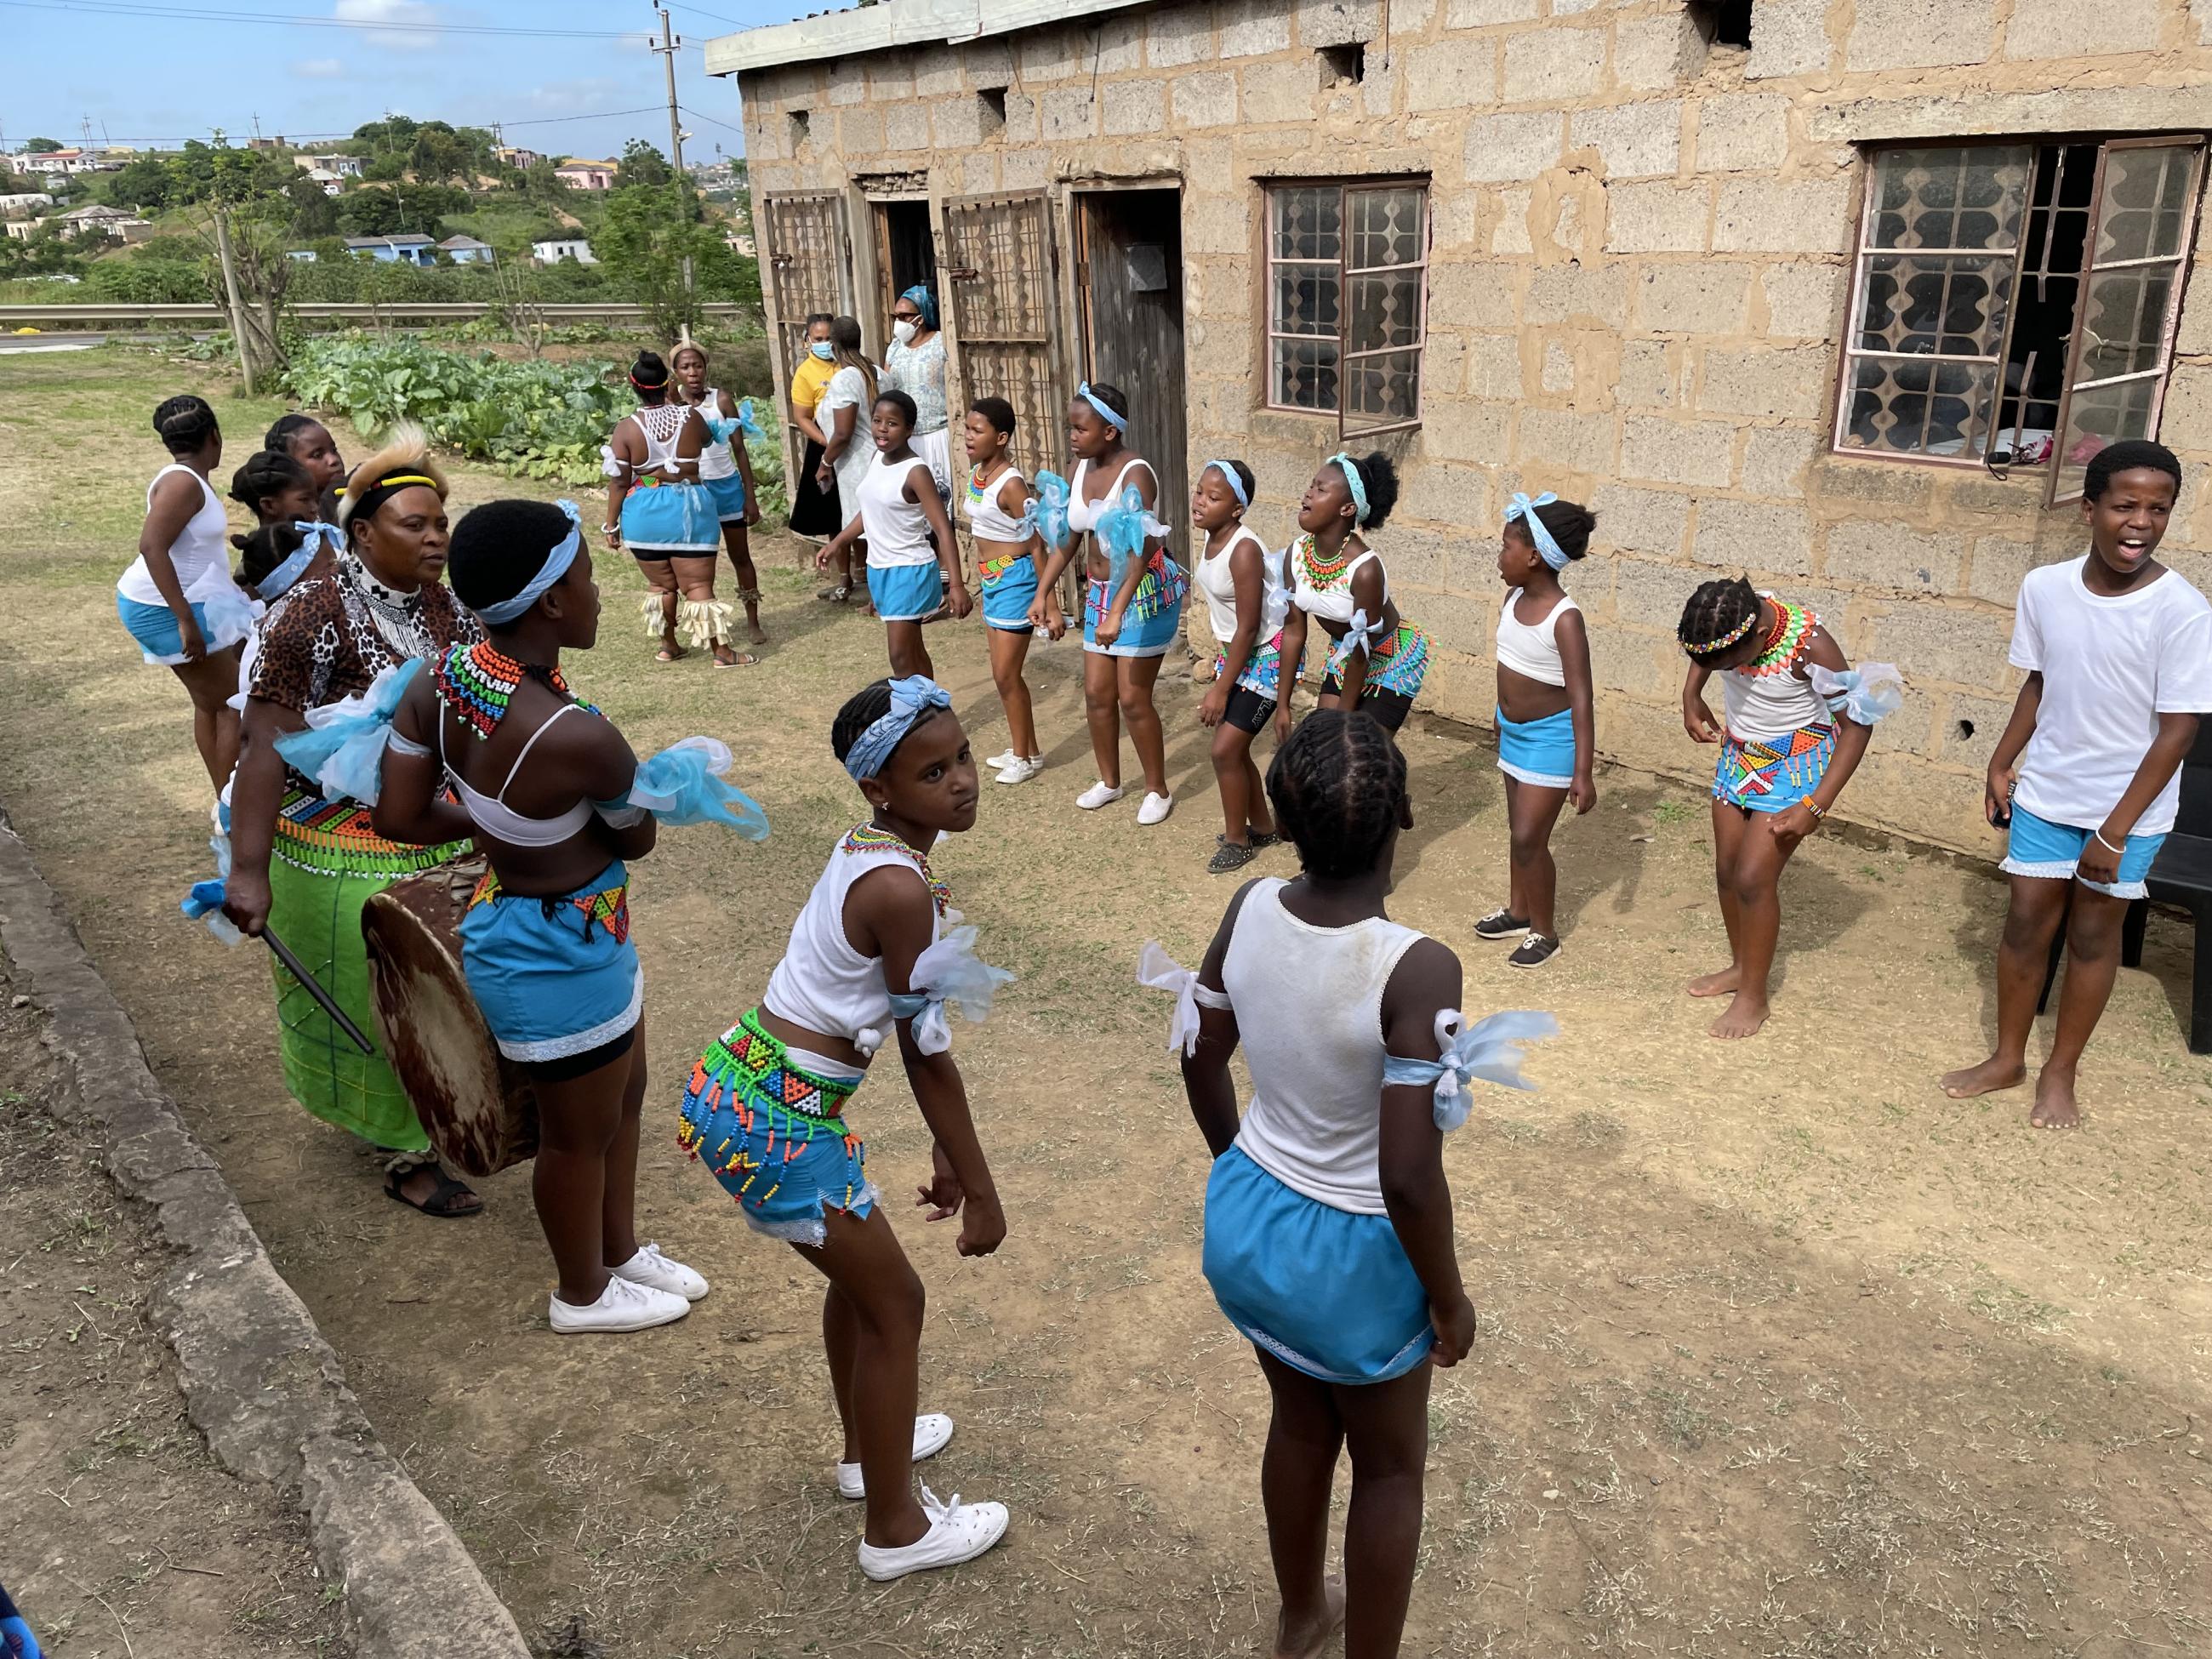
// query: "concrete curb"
[[257, 1378]]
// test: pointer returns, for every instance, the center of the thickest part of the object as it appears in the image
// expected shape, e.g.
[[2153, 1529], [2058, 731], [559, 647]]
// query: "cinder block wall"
[[1636, 285]]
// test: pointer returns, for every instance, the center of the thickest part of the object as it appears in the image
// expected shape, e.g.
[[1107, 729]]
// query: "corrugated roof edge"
[[898, 23]]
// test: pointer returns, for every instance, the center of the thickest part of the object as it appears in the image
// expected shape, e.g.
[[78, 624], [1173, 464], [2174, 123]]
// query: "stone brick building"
[[1615, 248]]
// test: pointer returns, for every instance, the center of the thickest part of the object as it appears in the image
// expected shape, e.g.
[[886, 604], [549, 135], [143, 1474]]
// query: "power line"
[[318, 137], [699, 12], [713, 121], [393, 26]]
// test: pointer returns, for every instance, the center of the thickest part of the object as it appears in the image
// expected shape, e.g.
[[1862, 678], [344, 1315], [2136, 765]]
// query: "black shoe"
[[1230, 855], [1534, 952], [1262, 839], [1501, 923]]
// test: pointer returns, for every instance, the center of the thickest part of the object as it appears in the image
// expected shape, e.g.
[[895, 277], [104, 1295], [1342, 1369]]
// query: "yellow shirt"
[[808, 382]]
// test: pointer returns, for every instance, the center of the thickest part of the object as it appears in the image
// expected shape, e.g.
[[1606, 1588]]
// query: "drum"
[[475, 1104]]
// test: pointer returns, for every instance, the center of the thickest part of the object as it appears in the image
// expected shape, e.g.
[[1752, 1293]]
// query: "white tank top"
[[1334, 603], [822, 983], [897, 532], [200, 553], [1083, 515], [986, 518], [716, 460], [1213, 579], [661, 425], [1764, 707], [1309, 1004], [1533, 648]]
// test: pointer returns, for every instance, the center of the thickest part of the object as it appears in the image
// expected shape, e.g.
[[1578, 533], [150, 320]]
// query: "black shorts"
[[575, 1065], [1390, 707], [1247, 711]]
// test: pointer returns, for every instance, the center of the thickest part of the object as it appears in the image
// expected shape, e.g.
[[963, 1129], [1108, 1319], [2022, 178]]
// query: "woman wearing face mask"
[[916, 366], [306, 864], [848, 448], [814, 511]]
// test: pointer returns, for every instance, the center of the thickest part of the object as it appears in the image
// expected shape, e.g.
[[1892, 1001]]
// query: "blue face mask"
[[822, 349]]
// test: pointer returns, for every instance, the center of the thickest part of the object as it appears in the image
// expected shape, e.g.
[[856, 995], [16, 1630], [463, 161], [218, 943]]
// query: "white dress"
[[847, 390]]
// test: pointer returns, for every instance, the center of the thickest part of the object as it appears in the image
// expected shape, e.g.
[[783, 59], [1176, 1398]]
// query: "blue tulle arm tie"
[[1489, 1049], [343, 746], [1122, 531], [683, 784], [1049, 511], [205, 902], [1867, 694], [948, 971]]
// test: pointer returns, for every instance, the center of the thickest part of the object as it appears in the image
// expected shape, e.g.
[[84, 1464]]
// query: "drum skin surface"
[[479, 1113]]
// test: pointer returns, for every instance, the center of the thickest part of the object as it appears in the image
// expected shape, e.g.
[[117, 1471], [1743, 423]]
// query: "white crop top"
[[1083, 515], [1213, 578], [1308, 1004], [1775, 703], [1334, 603], [822, 983], [200, 553], [661, 425], [986, 518], [715, 459], [1533, 648], [491, 813]]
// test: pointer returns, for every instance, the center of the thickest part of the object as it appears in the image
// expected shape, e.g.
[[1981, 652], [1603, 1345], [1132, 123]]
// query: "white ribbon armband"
[[1156, 971]]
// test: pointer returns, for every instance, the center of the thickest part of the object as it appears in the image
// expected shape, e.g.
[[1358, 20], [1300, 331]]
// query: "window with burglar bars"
[[2013, 304], [1347, 308]]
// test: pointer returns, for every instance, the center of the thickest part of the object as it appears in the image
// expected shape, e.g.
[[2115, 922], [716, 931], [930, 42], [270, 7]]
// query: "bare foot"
[[1745, 1015], [1718, 985], [1992, 1074], [755, 633], [2054, 1101], [1303, 1641]]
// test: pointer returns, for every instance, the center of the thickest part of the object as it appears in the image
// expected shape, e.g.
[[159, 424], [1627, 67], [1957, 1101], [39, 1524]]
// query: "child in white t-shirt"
[[2118, 655]]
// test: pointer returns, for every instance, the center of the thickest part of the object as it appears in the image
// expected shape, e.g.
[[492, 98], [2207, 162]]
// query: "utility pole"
[[221, 212], [666, 50]]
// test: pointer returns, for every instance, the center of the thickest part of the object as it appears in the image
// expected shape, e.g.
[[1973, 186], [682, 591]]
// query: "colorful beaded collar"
[[478, 681], [1320, 573], [867, 838], [1787, 644]]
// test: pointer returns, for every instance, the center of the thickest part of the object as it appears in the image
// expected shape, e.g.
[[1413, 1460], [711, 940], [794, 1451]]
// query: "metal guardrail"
[[95, 314]]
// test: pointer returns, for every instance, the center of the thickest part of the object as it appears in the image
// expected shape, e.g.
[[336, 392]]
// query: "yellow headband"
[[396, 479]]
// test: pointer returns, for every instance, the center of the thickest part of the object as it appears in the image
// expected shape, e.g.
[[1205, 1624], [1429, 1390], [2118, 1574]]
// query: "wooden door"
[[1128, 280], [1000, 269]]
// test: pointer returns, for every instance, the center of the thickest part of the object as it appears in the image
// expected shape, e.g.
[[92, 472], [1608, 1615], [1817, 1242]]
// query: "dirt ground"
[[1781, 1354], [121, 1536]]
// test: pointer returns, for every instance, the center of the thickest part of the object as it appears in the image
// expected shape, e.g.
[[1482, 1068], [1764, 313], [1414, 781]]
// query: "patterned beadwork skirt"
[[1770, 775]]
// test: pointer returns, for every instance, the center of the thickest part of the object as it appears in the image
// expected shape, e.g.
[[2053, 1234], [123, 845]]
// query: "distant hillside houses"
[[406, 249], [588, 175], [101, 221], [15, 206], [338, 166], [554, 249], [466, 251]]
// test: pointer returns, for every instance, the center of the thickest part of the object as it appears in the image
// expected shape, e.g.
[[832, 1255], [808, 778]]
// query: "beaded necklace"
[[1321, 573], [397, 616], [977, 486], [1787, 644], [867, 838], [478, 683]]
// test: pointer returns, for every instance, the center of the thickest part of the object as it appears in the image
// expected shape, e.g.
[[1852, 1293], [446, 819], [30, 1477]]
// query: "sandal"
[[670, 653], [443, 1203], [739, 660], [836, 595]]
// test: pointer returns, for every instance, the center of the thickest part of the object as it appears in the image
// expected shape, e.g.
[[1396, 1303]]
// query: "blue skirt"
[[1149, 625], [665, 519], [161, 642], [2039, 849], [1541, 752], [1325, 1291], [553, 977], [728, 495], [906, 592], [1007, 598]]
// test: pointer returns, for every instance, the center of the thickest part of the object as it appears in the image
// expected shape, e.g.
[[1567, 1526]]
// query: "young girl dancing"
[[1546, 735], [2117, 650], [726, 468], [658, 510], [1242, 582], [543, 783], [1329, 1221], [1378, 659], [1127, 628], [1784, 760], [1008, 551], [766, 1104], [909, 539]]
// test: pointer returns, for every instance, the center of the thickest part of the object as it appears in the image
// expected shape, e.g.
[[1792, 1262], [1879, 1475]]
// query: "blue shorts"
[[2039, 848], [728, 497], [1323, 1289], [772, 1133], [1006, 601], [906, 592], [154, 627], [554, 977], [1541, 752], [670, 519]]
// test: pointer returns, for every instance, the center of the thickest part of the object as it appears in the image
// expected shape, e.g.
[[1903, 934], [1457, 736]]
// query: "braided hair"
[[285, 429], [184, 423], [1570, 524], [1338, 789], [862, 710], [1718, 608], [267, 472], [263, 549]]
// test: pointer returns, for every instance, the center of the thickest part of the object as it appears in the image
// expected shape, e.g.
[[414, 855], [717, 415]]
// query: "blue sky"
[[160, 71]]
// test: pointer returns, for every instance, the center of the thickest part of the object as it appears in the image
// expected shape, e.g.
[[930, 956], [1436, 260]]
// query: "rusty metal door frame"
[[782, 270]]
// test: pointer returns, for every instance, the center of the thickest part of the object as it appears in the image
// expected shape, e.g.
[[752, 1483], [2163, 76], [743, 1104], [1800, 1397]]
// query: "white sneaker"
[[1156, 808], [1003, 759], [1099, 794], [656, 1272], [957, 1532], [932, 1432], [622, 1306], [1021, 769]]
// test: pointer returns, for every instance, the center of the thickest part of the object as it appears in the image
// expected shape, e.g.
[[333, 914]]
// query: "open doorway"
[[1128, 281], [906, 253]]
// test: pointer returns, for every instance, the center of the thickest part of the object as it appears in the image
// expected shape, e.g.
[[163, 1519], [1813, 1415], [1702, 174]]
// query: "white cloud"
[[572, 97], [382, 22], [319, 69]]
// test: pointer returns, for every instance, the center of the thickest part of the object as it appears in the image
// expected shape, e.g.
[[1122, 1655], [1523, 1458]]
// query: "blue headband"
[[556, 567], [912, 699], [1119, 422], [1354, 482], [1235, 483], [1524, 511], [279, 582], [924, 302]]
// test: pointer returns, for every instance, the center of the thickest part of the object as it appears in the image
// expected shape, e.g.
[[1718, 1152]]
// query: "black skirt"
[[814, 510]]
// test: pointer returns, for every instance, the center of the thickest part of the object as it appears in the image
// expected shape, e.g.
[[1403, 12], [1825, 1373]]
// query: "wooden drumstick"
[[324, 1000]]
